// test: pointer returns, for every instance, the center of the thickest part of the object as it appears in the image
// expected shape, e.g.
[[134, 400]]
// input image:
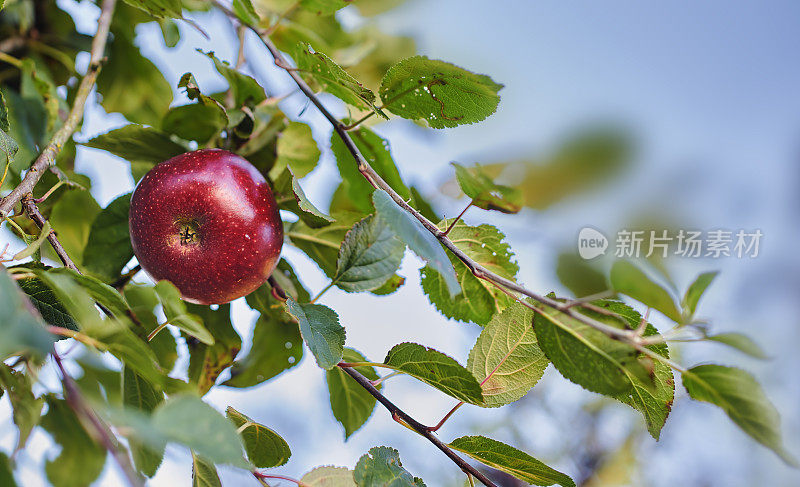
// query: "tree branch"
[[48, 156], [34, 214], [627, 336], [417, 426]]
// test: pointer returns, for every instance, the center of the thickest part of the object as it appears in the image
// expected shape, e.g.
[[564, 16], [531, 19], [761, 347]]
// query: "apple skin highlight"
[[207, 222]]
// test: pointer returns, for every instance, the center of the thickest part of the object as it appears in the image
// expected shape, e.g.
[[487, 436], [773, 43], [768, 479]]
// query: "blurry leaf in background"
[[694, 292], [297, 150], [583, 161], [195, 121], [628, 279], [137, 393], [322, 244], [142, 301], [81, 460], [204, 474], [71, 218], [435, 369], [177, 314], [382, 467], [324, 7], [7, 474], [329, 477], [740, 342], [109, 248], [245, 11], [508, 459], [352, 405], [265, 448], [376, 151], [442, 93], [291, 197], [478, 300], [26, 407], [580, 276], [26, 126], [385, 50], [170, 32], [485, 193], [741, 397], [506, 358], [7, 144], [158, 8]]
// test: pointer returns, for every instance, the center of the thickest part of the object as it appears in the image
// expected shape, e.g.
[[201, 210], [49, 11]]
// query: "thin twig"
[[48, 156], [34, 214], [126, 278], [420, 428], [450, 227], [261, 476]]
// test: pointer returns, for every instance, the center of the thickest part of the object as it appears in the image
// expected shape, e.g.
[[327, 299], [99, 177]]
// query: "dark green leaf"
[[376, 151], [140, 395], [381, 467], [333, 79], [109, 246], [351, 404], [46, 303], [276, 346], [81, 459], [435, 369], [246, 91], [478, 300], [265, 448], [290, 196], [442, 93], [368, 257], [8, 146], [417, 237], [320, 328], [508, 459], [628, 279], [322, 244], [485, 193], [506, 358], [206, 362], [142, 301], [6, 472], [194, 122], [137, 143], [741, 397]]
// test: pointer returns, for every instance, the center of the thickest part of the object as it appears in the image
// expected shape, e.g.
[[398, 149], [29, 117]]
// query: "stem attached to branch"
[[420, 428]]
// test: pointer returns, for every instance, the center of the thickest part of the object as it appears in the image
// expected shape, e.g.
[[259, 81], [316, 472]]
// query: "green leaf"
[[27, 408], [478, 299], [276, 346], [195, 121], [97, 290], [245, 12], [329, 477], [137, 143], [654, 397], [376, 151], [170, 32], [20, 330], [740, 342], [71, 219], [435, 369], [246, 90], [322, 244], [45, 301], [351, 404], [160, 9], [297, 150], [393, 284], [193, 92], [417, 237], [8, 145], [189, 421], [33, 247], [316, 65], [109, 246], [583, 354], [485, 193], [290, 196], [579, 276], [319, 326], [741, 397], [132, 85], [81, 460], [506, 358], [206, 362], [7, 473], [442, 93], [204, 474], [27, 128], [368, 257], [265, 448], [140, 395], [381, 467], [695, 292], [177, 314], [508, 459], [324, 7], [631, 281]]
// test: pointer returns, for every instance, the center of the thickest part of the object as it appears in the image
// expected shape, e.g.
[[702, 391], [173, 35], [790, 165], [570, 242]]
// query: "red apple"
[[206, 221]]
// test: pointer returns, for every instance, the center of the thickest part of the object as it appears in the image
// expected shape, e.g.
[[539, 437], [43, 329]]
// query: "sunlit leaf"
[[320, 328], [137, 143], [80, 455], [381, 467], [329, 477], [740, 342], [628, 279], [335, 80], [369, 256], [297, 150], [178, 315], [485, 193], [265, 448], [695, 292]]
